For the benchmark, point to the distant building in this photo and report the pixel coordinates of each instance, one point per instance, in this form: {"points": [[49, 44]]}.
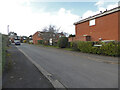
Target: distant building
{"points": [[30, 39], [103, 26], [36, 37], [47, 37], [12, 36]]}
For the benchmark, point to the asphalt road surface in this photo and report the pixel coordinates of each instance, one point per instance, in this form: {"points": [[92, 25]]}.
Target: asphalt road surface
{"points": [[74, 70], [19, 72]]}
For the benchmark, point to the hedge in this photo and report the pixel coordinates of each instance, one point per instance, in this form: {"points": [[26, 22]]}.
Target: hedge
{"points": [[110, 49], [62, 42], [40, 41]]}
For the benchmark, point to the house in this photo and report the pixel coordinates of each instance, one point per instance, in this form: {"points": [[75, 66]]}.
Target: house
{"points": [[36, 37], [12, 36], [30, 39], [47, 37], [103, 26]]}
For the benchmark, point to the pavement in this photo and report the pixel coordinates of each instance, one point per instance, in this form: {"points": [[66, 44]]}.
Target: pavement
{"points": [[21, 73], [73, 69]]}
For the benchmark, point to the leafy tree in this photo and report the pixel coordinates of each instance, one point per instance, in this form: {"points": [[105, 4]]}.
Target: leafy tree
{"points": [[63, 42]]}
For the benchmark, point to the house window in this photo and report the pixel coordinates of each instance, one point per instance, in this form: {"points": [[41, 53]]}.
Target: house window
{"points": [[92, 22]]}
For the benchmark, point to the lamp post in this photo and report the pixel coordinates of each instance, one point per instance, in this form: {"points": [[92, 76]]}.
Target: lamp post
{"points": [[8, 29]]}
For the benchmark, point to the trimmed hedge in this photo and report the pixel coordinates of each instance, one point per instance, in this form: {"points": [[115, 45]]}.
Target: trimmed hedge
{"points": [[63, 42], [110, 49]]}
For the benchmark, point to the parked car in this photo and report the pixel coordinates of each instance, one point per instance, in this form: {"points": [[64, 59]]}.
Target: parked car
{"points": [[17, 43]]}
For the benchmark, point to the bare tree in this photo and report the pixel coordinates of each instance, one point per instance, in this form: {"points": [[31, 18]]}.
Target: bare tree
{"points": [[50, 33], [64, 33], [45, 29]]}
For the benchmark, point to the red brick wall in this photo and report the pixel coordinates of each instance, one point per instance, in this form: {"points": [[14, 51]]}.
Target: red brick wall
{"points": [[106, 27], [36, 38], [70, 39]]}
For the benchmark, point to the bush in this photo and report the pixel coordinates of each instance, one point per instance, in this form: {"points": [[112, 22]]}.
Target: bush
{"points": [[63, 42], [30, 42], [54, 43], [74, 46], [24, 41], [40, 41], [110, 49], [68, 46], [85, 46]]}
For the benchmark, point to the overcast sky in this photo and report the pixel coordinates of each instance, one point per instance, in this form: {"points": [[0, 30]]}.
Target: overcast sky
{"points": [[25, 17]]}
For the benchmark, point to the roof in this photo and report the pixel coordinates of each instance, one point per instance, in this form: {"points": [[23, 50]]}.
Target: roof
{"points": [[99, 15], [46, 32]]}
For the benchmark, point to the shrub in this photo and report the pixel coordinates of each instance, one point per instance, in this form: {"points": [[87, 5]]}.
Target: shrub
{"points": [[85, 46], [40, 41], [74, 45], [30, 42], [63, 42], [94, 50], [24, 41], [54, 43], [111, 48]]}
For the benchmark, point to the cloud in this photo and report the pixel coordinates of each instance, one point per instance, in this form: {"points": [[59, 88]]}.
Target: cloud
{"points": [[112, 6], [99, 3], [22, 20], [101, 7]]}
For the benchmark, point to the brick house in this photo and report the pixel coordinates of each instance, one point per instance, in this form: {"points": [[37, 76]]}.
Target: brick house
{"points": [[46, 36], [103, 26], [36, 37]]}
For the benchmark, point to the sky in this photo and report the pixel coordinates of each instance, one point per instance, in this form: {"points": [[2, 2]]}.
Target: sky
{"points": [[25, 17]]}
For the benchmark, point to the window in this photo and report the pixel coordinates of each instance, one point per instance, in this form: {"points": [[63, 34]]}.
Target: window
{"points": [[92, 22]]}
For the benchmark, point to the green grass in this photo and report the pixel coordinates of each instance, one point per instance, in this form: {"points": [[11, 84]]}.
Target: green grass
{"points": [[68, 49], [47, 46]]}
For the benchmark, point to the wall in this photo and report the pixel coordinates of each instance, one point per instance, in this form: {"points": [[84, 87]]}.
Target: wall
{"points": [[106, 27]]}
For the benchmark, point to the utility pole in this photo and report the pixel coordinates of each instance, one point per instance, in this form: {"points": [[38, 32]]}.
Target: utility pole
{"points": [[8, 29]]}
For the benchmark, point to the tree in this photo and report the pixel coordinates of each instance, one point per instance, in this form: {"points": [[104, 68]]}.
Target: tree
{"points": [[63, 42], [51, 28], [71, 35], [49, 33], [64, 33]]}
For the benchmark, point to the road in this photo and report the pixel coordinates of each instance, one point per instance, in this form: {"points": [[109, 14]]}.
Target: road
{"points": [[73, 70], [19, 72]]}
